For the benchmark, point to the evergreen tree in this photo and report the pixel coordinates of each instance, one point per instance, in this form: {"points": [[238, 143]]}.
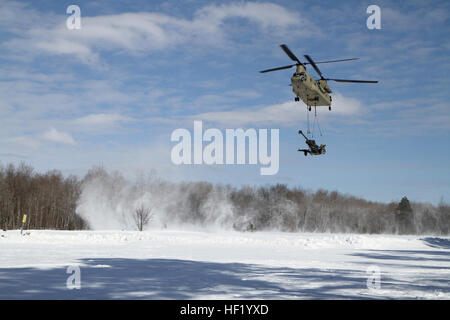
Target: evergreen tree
{"points": [[405, 217]]}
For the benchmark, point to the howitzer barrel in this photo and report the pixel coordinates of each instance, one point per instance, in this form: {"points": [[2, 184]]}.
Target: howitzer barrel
{"points": [[301, 132]]}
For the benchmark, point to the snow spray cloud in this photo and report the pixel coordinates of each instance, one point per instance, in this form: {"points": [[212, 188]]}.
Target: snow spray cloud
{"points": [[109, 201], [214, 152]]}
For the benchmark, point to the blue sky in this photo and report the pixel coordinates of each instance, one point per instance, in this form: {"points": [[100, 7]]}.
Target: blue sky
{"points": [[113, 92]]}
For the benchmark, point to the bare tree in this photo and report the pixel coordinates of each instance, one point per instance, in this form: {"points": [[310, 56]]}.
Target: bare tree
{"points": [[142, 217]]}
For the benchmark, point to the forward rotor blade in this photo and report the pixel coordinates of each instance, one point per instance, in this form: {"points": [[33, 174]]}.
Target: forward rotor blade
{"points": [[289, 53], [354, 81], [279, 68], [314, 65], [329, 61]]}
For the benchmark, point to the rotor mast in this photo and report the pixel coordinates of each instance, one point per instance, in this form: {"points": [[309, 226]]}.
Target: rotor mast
{"points": [[300, 68]]}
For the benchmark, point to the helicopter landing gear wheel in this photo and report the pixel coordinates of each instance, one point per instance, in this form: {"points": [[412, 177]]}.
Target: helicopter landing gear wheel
{"points": [[329, 108], [309, 108], [306, 153], [297, 99]]}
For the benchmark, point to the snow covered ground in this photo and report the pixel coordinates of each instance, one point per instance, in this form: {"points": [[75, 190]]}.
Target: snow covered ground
{"points": [[172, 264]]}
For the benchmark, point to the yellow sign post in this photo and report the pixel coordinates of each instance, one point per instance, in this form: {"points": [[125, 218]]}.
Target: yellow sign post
{"points": [[24, 220]]}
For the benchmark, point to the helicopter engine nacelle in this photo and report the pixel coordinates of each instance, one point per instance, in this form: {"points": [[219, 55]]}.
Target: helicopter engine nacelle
{"points": [[324, 85]]}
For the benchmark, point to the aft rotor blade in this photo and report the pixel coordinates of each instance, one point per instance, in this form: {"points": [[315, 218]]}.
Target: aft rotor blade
{"points": [[329, 61], [289, 53], [354, 81], [314, 65], [279, 68]]}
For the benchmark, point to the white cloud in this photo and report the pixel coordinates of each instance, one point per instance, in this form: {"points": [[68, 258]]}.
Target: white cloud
{"points": [[137, 33], [57, 136], [266, 15], [345, 105], [283, 114], [102, 119]]}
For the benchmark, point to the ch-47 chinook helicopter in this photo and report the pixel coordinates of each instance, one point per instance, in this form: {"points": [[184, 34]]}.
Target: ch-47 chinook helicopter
{"points": [[312, 92]]}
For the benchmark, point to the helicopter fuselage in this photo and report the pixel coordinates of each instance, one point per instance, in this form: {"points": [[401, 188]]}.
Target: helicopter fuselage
{"points": [[313, 93]]}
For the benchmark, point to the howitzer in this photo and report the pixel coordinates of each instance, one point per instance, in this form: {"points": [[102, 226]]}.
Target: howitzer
{"points": [[314, 149]]}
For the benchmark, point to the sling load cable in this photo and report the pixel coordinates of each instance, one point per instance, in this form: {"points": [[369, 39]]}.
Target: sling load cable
{"points": [[316, 121], [307, 120]]}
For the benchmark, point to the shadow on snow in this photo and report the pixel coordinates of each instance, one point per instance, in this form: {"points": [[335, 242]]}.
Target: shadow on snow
{"points": [[118, 278], [111, 278], [440, 243], [400, 263]]}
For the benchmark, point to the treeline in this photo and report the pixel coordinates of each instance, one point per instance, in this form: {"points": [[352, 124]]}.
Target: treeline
{"points": [[104, 200], [49, 200], [293, 210], [278, 207], [273, 207]]}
